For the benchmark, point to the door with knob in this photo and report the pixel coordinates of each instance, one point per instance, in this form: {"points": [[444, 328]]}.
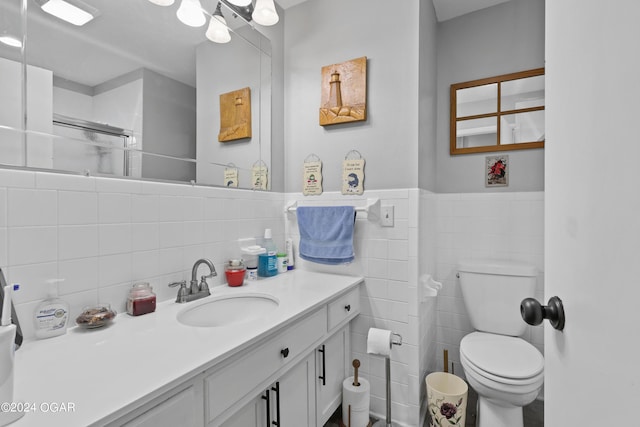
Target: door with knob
{"points": [[592, 204]]}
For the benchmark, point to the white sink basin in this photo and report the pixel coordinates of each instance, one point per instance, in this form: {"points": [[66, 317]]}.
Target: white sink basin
{"points": [[228, 310]]}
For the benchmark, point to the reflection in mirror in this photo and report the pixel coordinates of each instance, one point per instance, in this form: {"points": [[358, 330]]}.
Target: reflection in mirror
{"points": [[498, 113], [522, 127], [478, 100], [133, 92], [522, 93], [476, 132]]}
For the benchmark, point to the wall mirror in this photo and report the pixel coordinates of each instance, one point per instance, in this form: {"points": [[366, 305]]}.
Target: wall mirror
{"points": [[134, 92], [498, 113]]}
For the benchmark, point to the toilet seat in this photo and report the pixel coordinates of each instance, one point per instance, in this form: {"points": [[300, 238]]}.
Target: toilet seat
{"points": [[504, 359]]}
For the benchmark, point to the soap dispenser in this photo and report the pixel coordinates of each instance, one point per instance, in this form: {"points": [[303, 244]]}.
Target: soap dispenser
{"points": [[52, 314]]}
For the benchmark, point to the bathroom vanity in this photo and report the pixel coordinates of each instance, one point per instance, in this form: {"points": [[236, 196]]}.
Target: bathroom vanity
{"points": [[285, 366]]}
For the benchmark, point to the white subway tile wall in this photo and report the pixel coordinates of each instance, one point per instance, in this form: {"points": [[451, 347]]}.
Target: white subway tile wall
{"points": [[100, 235]]}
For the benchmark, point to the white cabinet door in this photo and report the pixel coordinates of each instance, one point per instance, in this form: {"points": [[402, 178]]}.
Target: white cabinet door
{"points": [[181, 408], [332, 367], [290, 401], [251, 415], [296, 392]]}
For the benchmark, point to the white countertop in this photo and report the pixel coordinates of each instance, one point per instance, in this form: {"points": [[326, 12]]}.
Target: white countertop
{"points": [[116, 368]]}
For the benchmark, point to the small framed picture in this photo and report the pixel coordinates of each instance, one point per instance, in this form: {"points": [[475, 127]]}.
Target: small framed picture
{"points": [[497, 171]]}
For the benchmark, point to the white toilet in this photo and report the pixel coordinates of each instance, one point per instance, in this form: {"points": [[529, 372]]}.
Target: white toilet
{"points": [[506, 371]]}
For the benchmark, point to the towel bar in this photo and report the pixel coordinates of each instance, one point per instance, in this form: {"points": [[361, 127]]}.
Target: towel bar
{"points": [[372, 209]]}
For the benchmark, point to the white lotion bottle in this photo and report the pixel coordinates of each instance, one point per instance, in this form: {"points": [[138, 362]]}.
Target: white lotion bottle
{"points": [[289, 250], [52, 314]]}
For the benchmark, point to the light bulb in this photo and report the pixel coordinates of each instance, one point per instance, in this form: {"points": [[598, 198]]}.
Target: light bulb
{"points": [[162, 2], [265, 13], [217, 30], [240, 2], [190, 13]]}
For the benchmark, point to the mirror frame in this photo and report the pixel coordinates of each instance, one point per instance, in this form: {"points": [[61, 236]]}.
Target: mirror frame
{"points": [[454, 119]]}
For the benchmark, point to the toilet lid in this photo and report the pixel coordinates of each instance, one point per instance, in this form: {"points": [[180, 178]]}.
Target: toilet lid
{"points": [[503, 356]]}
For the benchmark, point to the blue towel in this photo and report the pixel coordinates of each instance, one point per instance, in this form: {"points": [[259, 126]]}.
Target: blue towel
{"points": [[326, 233]]}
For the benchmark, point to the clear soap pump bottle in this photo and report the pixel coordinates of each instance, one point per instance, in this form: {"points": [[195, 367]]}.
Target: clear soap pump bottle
{"points": [[52, 314]]}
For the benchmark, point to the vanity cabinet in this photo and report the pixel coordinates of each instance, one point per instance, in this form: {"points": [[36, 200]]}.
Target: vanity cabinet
{"points": [[205, 376], [290, 378]]}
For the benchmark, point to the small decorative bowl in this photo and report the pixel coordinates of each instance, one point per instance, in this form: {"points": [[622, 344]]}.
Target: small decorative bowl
{"points": [[96, 316]]}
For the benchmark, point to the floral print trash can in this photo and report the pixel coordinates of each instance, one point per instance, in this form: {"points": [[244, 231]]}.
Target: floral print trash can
{"points": [[447, 397]]}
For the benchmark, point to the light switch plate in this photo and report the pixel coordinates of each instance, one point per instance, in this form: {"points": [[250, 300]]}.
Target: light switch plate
{"points": [[386, 216]]}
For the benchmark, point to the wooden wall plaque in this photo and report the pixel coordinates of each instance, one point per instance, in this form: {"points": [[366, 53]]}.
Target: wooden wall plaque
{"points": [[344, 92], [235, 115]]}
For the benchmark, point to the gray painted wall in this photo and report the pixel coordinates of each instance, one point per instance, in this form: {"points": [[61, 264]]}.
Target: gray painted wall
{"points": [[169, 123], [501, 39], [428, 92], [324, 32]]}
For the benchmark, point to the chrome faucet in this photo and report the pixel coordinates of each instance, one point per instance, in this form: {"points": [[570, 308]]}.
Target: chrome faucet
{"points": [[195, 290]]}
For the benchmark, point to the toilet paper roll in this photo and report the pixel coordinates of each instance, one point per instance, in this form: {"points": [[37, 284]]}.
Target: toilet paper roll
{"points": [[358, 399], [379, 342]]}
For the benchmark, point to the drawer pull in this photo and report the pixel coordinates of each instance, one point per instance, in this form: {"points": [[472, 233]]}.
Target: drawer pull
{"points": [[323, 377], [277, 390], [347, 307], [268, 403], [285, 352]]}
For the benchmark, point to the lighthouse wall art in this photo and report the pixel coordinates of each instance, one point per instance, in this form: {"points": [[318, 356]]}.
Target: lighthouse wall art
{"points": [[344, 92]]}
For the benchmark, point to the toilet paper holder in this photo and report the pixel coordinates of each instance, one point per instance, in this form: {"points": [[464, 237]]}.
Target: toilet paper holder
{"points": [[396, 339]]}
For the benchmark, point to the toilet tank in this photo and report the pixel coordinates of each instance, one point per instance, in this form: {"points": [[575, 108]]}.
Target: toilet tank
{"points": [[492, 292]]}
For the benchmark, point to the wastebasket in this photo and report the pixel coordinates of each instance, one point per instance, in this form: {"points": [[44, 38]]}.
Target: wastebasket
{"points": [[447, 397]]}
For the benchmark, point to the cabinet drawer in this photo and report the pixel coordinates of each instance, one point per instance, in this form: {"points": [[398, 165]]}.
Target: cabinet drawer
{"points": [[343, 307], [228, 385]]}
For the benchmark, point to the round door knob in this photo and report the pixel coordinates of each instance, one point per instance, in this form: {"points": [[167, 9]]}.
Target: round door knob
{"points": [[285, 352], [534, 313], [347, 307]]}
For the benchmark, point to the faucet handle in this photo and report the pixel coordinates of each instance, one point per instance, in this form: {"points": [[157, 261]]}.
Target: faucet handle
{"points": [[182, 292], [180, 283], [204, 286]]}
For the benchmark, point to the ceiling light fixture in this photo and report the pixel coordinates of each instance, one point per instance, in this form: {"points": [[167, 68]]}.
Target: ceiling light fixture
{"points": [[217, 30], [190, 13], [75, 12], [265, 13], [10, 40]]}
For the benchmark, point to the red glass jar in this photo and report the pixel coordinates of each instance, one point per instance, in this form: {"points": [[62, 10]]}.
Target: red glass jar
{"points": [[141, 299], [234, 270]]}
